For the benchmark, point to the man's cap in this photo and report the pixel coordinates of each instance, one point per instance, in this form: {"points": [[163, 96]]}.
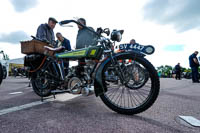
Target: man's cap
{"points": [[53, 19]]}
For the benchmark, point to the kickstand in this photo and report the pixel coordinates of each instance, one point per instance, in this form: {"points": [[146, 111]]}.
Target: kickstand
{"points": [[54, 95], [42, 99], [29, 84]]}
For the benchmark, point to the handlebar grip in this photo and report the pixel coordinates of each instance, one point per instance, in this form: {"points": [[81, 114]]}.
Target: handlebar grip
{"points": [[65, 22], [69, 21], [99, 30]]}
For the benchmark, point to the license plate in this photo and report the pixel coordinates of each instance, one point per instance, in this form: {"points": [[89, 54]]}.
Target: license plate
{"points": [[131, 47], [148, 49]]}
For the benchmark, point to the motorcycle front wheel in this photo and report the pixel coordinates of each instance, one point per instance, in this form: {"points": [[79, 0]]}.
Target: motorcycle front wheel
{"points": [[122, 96]]}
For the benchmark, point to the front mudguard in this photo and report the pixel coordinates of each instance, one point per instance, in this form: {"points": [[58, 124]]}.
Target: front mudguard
{"points": [[99, 87]]}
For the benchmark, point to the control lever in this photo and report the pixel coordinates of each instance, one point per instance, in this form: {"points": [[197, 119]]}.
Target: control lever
{"points": [[107, 31]]}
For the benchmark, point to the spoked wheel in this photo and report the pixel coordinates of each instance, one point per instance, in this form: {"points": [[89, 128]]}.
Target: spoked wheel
{"points": [[139, 76], [41, 84], [137, 91]]}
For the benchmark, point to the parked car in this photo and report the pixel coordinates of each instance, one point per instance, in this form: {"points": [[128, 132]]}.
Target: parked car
{"points": [[1, 73], [188, 75], [4, 63], [4, 72]]}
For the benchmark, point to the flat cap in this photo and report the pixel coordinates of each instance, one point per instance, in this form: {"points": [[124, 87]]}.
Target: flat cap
{"points": [[53, 19]]}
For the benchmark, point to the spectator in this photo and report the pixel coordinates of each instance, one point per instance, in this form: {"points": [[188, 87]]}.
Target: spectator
{"points": [[178, 71], [132, 41], [62, 42], [194, 64]]}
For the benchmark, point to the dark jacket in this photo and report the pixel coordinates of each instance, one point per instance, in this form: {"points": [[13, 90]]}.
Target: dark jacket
{"points": [[178, 68], [86, 38], [45, 33], [66, 44], [191, 61]]}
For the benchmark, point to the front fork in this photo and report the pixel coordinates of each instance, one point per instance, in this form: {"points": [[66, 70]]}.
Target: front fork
{"points": [[118, 69]]}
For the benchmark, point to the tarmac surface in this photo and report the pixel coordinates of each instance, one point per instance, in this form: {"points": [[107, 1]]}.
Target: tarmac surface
{"points": [[21, 111]]}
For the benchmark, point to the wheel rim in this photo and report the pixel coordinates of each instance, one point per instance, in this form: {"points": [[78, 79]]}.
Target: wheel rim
{"points": [[124, 96], [41, 83]]}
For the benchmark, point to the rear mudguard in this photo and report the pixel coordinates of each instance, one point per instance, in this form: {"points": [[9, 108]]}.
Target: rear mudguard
{"points": [[99, 87], [32, 61]]}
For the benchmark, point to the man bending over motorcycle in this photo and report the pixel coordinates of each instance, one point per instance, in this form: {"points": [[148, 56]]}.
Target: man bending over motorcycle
{"points": [[85, 38]]}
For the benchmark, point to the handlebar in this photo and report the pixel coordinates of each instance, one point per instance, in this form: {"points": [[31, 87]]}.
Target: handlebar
{"points": [[73, 21], [103, 41], [106, 31]]}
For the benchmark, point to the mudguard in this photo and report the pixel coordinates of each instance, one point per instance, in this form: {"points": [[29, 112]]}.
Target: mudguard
{"points": [[99, 87]]}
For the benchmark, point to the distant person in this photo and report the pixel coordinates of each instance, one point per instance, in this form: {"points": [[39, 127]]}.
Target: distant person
{"points": [[45, 31], [132, 41], [194, 64], [178, 71], [63, 43], [15, 71]]}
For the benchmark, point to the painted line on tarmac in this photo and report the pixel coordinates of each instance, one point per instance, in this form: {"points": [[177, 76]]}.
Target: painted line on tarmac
{"points": [[65, 97], [60, 97], [14, 93], [17, 108], [190, 120]]}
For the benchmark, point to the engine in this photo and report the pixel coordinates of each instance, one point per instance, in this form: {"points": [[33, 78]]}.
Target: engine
{"points": [[79, 79]]}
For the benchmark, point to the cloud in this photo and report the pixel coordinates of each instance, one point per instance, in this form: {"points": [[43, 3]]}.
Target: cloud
{"points": [[174, 48], [14, 37], [23, 5], [182, 14]]}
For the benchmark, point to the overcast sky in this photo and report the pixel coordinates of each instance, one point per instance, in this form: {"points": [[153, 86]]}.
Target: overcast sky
{"points": [[171, 26]]}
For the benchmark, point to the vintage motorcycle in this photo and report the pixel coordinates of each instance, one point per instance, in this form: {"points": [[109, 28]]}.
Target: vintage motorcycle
{"points": [[127, 87]]}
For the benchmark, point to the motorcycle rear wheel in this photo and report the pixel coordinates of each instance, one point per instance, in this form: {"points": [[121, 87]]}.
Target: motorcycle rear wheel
{"points": [[41, 83], [126, 100]]}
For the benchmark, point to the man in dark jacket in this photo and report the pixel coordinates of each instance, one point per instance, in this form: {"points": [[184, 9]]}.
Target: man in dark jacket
{"points": [[178, 71], [85, 38], [63, 42], [45, 31], [194, 64]]}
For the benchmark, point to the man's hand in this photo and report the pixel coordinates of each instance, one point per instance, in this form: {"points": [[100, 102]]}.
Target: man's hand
{"points": [[196, 61], [54, 49]]}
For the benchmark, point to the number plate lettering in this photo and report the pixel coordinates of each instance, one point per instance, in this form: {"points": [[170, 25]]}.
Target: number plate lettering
{"points": [[131, 47]]}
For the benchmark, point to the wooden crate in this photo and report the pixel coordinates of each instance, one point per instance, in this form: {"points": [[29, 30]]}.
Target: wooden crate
{"points": [[35, 46]]}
